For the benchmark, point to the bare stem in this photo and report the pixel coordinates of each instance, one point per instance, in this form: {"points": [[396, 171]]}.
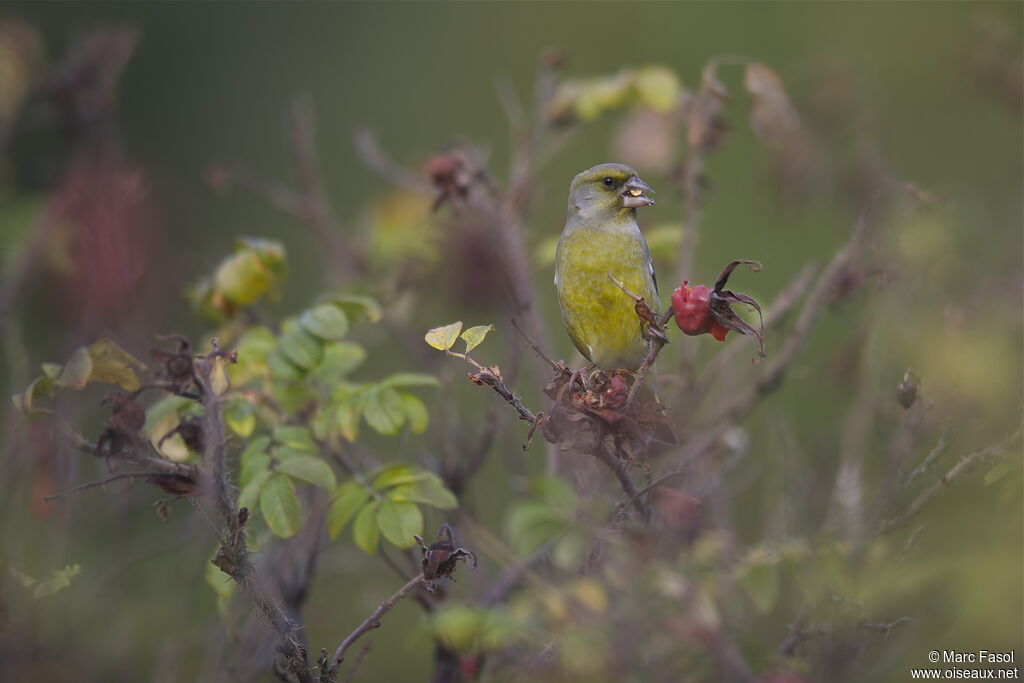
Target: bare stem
{"points": [[109, 480], [776, 369], [965, 464], [371, 622]]}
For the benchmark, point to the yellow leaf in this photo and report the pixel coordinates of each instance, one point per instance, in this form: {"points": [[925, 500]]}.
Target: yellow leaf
{"points": [[442, 338], [219, 376], [474, 336]]}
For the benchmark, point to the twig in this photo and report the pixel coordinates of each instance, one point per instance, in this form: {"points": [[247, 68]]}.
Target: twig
{"points": [[487, 376], [962, 467], [375, 159], [317, 209], [885, 628], [657, 344], [555, 365], [774, 314], [656, 333], [356, 663], [618, 466], [512, 575], [939, 449], [94, 484], [370, 623], [772, 376]]}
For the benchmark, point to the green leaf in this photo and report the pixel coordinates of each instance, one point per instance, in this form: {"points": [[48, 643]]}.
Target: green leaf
{"points": [[326, 321], [442, 338], [254, 447], [761, 583], [474, 336], [253, 347], [301, 348], [310, 469], [240, 417], [555, 491], [458, 627], [365, 531], [295, 436], [999, 471], [256, 267], [349, 498], [415, 412], [399, 522], [531, 524], [51, 370], [384, 410], [570, 550], [257, 479], [55, 581], [428, 490], [282, 368], [280, 506], [392, 475], [282, 453], [405, 380], [348, 417], [356, 306], [340, 359], [164, 407], [293, 397], [253, 460], [41, 387]]}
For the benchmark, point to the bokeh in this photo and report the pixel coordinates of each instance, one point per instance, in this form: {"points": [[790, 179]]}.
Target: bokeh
{"points": [[123, 186]]}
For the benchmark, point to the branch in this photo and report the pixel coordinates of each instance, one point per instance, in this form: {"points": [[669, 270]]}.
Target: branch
{"points": [[370, 623], [772, 376], [376, 160], [774, 314], [656, 333], [317, 209], [492, 378], [618, 466], [109, 480], [555, 365], [939, 449], [233, 556], [964, 466]]}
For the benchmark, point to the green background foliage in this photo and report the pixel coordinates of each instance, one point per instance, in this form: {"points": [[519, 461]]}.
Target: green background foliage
{"points": [[903, 84]]}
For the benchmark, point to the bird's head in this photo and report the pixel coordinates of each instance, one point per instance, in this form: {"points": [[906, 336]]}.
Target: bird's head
{"points": [[608, 191]]}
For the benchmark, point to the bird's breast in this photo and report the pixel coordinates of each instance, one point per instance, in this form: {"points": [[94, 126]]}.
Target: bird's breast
{"points": [[599, 317]]}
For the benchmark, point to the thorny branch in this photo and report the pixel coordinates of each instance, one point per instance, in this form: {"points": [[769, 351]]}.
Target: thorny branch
{"points": [[233, 556], [962, 467]]}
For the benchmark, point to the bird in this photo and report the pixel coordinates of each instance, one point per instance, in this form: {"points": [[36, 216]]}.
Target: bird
{"points": [[600, 239]]}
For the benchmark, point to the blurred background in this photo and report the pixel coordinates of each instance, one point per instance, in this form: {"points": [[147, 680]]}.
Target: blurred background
{"points": [[116, 197]]}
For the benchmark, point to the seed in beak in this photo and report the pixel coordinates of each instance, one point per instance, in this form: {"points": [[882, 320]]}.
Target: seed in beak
{"points": [[636, 192]]}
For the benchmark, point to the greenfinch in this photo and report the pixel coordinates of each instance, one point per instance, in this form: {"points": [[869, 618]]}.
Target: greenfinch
{"points": [[601, 238]]}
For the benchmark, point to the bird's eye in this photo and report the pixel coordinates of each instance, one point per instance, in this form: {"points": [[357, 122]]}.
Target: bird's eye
{"points": [[608, 181]]}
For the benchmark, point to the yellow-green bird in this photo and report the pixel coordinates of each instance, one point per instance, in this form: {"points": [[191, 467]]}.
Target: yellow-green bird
{"points": [[601, 238]]}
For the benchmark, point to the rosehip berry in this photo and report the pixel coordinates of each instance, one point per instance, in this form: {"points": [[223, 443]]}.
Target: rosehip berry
{"points": [[692, 309]]}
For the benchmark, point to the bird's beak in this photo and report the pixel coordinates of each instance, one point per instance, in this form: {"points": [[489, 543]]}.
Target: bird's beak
{"points": [[633, 193]]}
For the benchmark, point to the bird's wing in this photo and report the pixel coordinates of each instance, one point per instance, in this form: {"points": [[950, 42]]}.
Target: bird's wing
{"points": [[650, 269]]}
